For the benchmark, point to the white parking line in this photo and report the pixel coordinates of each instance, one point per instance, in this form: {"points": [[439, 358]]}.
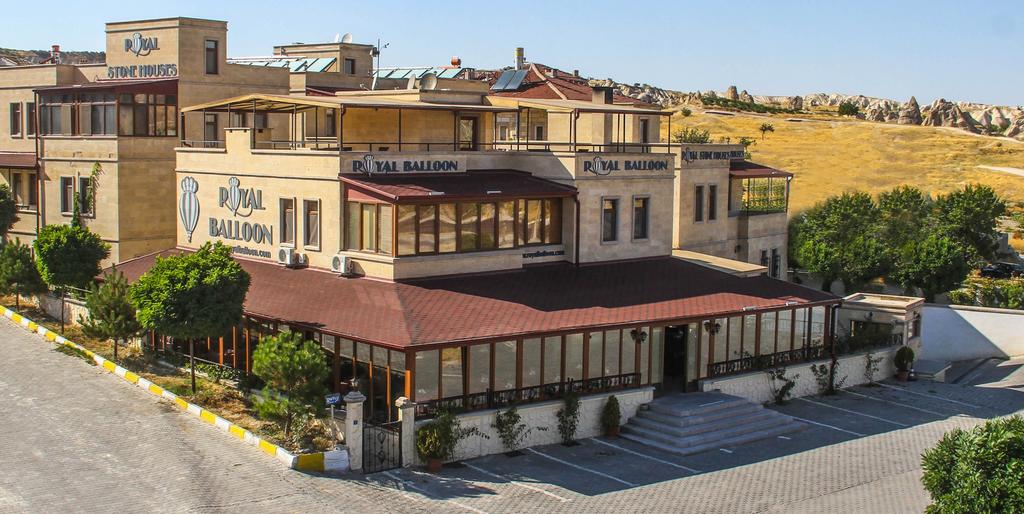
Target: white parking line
{"points": [[516, 482], [899, 404], [724, 450], [897, 423], [858, 434], [644, 455], [935, 396], [581, 468], [429, 494]]}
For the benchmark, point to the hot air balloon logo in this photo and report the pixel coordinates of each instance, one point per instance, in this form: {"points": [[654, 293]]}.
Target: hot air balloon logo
{"points": [[188, 206], [234, 195], [368, 164], [599, 167]]}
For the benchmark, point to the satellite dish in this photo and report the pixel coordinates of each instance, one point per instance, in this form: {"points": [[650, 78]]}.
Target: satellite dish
{"points": [[428, 82], [337, 37], [347, 38]]}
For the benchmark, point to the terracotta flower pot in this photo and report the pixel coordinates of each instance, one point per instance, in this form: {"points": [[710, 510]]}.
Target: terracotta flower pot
{"points": [[434, 465], [902, 375], [612, 431]]}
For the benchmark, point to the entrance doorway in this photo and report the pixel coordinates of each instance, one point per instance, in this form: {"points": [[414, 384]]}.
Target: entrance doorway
{"points": [[676, 379]]}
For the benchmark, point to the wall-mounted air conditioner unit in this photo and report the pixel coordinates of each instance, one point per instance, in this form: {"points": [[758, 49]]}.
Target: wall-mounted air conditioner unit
{"points": [[289, 257]]}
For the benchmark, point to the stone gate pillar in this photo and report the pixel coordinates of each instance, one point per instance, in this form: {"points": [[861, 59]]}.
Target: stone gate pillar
{"points": [[354, 428], [407, 418]]}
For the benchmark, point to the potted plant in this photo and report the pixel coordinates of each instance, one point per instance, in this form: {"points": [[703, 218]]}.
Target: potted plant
{"points": [[436, 441], [610, 417], [904, 360]]}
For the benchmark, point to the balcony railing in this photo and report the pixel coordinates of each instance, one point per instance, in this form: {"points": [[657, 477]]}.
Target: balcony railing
{"points": [[508, 397], [806, 354], [330, 144]]}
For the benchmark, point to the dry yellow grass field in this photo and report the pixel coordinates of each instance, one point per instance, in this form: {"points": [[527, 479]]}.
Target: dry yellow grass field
{"points": [[830, 156]]}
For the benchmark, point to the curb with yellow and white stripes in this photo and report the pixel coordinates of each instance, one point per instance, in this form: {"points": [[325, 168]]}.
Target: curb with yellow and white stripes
{"points": [[336, 460]]}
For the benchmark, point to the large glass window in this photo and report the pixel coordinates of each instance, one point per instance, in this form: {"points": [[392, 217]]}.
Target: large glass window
{"points": [[533, 222], [735, 343], [446, 231], [641, 217], [469, 217], [24, 186], [30, 118], [595, 355], [288, 221], [386, 234], [427, 216], [426, 375], [611, 352], [553, 221], [764, 195], [406, 230], [15, 124], [67, 194], [552, 360], [479, 368], [368, 224], [628, 352], [768, 333], [749, 336], [504, 365], [574, 357], [800, 328], [609, 220], [451, 372], [311, 222], [487, 227], [531, 362], [817, 326], [155, 115], [368, 227], [785, 327], [506, 224]]}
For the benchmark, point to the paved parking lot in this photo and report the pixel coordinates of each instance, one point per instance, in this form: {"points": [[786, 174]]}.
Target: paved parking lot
{"points": [[77, 439]]}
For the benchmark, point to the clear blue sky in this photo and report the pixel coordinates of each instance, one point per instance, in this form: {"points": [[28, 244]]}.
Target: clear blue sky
{"points": [[953, 49]]}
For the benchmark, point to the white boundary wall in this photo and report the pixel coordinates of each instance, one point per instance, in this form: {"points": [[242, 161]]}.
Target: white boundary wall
{"points": [[544, 414], [958, 332], [755, 386]]}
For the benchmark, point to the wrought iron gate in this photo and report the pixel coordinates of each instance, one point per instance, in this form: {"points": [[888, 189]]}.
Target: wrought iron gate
{"points": [[382, 446]]}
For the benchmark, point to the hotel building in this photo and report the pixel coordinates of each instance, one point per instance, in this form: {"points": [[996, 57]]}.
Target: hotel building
{"points": [[463, 243]]}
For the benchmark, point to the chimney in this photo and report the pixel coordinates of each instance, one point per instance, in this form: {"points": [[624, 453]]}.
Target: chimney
{"points": [[55, 54], [520, 58], [575, 73], [602, 95]]}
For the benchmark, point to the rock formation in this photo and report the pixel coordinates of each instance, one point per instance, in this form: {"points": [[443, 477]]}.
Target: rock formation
{"points": [[943, 113], [910, 113], [745, 97], [730, 94]]}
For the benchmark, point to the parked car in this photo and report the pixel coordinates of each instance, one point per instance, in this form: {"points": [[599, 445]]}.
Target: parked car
{"points": [[1002, 270]]}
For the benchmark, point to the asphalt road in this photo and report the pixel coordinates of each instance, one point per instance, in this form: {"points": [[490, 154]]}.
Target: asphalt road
{"points": [[76, 439]]}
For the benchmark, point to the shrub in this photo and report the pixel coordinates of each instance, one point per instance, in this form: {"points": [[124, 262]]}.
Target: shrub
{"points": [[18, 273], [511, 430], [904, 358], [825, 376], [781, 393], [848, 109], [692, 135], [437, 439], [569, 418], [978, 470], [610, 414], [871, 367]]}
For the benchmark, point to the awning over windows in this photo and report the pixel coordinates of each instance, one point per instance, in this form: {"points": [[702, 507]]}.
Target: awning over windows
{"points": [[17, 160], [747, 169], [496, 184]]}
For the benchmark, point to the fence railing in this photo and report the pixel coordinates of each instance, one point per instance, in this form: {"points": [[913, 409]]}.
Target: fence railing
{"points": [[508, 397], [331, 145], [767, 361]]}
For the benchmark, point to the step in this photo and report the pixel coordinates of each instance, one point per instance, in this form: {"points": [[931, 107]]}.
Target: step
{"points": [[787, 428], [700, 418], [699, 428], [708, 437], [680, 409]]}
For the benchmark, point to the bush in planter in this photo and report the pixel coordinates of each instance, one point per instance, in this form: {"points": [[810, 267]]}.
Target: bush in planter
{"points": [[610, 416], [904, 358], [977, 470], [569, 418], [437, 439]]}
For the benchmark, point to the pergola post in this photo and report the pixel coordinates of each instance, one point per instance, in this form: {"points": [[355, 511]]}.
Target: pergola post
{"points": [[400, 131]]}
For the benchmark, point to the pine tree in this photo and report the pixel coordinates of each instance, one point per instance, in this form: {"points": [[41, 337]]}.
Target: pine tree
{"points": [[111, 315], [18, 273]]}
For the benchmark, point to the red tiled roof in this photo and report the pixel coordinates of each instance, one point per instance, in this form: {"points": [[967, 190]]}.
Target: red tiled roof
{"points": [[472, 184], [747, 169], [17, 160], [534, 300]]}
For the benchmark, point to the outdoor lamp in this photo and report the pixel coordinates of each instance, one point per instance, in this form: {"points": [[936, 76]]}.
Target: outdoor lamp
{"points": [[639, 336], [712, 327]]}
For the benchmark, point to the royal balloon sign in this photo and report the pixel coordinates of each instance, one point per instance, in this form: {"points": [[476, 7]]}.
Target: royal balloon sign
{"points": [[239, 203]]}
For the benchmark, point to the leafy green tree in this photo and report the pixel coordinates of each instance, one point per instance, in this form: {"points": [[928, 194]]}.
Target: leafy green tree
{"points": [[18, 274], [977, 470], [935, 264], [848, 109], [69, 256], [8, 210], [192, 295], [111, 315], [989, 292], [765, 128], [969, 217], [837, 239], [691, 135], [295, 368], [904, 213]]}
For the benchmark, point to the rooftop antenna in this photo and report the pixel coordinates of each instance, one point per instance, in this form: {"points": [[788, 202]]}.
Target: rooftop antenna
{"points": [[376, 53]]}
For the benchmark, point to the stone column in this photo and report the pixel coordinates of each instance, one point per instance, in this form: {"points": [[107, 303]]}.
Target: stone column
{"points": [[354, 428], [407, 417]]}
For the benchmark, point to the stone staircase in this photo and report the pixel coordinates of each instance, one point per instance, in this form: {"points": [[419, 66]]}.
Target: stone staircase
{"points": [[691, 423]]}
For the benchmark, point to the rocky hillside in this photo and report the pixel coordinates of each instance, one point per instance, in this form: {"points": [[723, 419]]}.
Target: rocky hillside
{"points": [[994, 120], [20, 57]]}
